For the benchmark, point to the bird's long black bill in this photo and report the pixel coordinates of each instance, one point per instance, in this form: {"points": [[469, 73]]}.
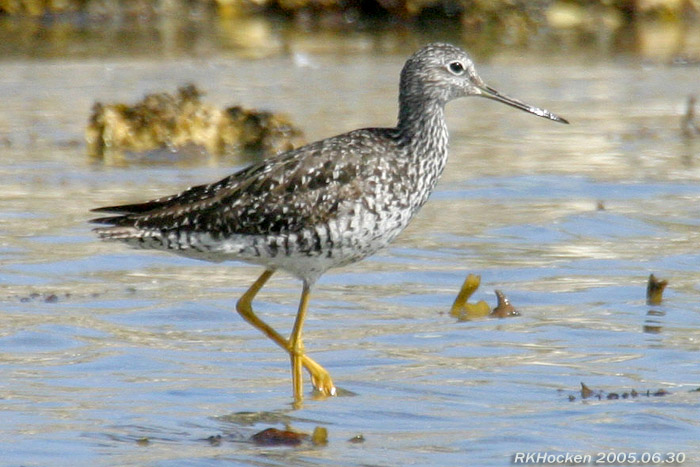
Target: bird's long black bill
{"points": [[490, 93]]}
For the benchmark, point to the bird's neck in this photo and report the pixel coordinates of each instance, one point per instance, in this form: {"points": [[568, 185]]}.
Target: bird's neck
{"points": [[423, 134], [422, 127]]}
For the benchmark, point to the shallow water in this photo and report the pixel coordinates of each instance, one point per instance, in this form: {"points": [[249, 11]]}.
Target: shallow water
{"points": [[102, 346]]}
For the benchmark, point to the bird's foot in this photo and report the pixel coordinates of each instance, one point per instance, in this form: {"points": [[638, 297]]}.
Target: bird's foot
{"points": [[323, 383], [320, 378]]}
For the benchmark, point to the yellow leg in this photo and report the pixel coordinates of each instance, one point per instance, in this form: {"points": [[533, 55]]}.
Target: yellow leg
{"points": [[296, 344], [320, 378]]}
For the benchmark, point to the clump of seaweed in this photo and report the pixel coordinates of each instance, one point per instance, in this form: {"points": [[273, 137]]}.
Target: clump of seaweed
{"points": [[655, 290], [465, 311]]}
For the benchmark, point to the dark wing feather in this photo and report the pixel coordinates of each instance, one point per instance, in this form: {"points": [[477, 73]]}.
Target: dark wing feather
{"points": [[140, 208], [298, 189], [189, 195]]}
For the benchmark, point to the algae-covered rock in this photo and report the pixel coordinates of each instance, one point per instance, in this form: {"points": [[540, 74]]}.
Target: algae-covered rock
{"points": [[162, 120]]}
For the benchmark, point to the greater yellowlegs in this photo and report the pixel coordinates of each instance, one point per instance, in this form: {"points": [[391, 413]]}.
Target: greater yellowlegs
{"points": [[324, 205]]}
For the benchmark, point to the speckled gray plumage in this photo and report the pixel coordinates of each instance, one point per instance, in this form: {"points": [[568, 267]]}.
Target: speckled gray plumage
{"points": [[323, 205]]}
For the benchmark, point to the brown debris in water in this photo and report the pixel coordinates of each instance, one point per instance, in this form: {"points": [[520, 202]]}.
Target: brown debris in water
{"points": [[587, 393], [655, 290], [357, 439], [503, 309], [689, 126], [276, 437], [143, 441], [162, 120], [465, 311], [46, 297]]}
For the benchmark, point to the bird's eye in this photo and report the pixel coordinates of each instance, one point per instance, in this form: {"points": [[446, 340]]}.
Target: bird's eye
{"points": [[456, 68]]}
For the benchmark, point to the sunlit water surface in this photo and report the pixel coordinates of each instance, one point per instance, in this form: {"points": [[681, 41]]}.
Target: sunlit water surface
{"points": [[102, 346]]}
